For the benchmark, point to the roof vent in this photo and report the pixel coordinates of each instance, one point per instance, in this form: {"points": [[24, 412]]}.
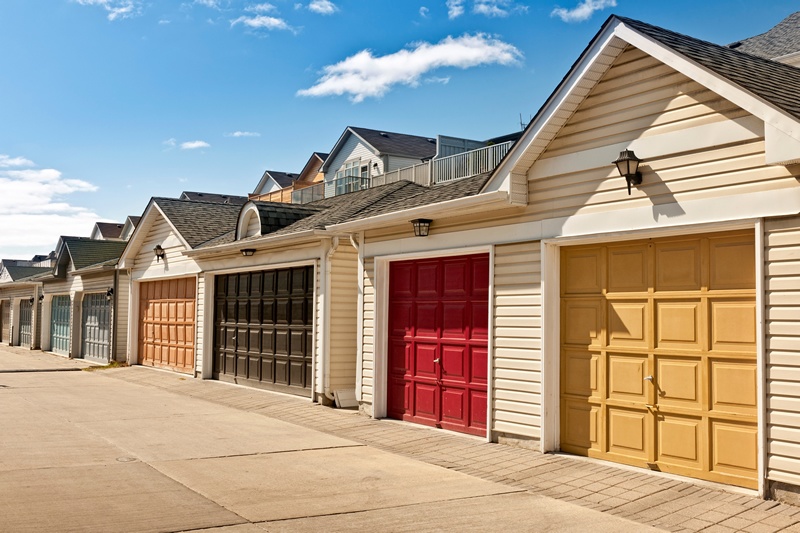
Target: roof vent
{"points": [[735, 45], [384, 134], [432, 141]]}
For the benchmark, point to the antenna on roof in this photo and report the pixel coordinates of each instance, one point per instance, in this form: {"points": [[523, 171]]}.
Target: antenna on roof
{"points": [[522, 123]]}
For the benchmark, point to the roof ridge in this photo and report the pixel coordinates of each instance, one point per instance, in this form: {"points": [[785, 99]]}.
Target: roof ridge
{"points": [[183, 201]]}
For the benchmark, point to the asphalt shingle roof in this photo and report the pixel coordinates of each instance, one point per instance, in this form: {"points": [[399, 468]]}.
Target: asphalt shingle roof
{"points": [[110, 230], [87, 252], [284, 179], [275, 216], [781, 40], [775, 82], [135, 220], [213, 198], [398, 143], [19, 273], [199, 222]]}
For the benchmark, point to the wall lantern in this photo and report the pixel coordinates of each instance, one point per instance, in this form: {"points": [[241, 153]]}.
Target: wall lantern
{"points": [[32, 300], [159, 251], [247, 252], [628, 166], [41, 297], [109, 293], [422, 226]]}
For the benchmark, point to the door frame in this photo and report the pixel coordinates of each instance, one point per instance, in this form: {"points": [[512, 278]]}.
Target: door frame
{"points": [[381, 337], [551, 323], [209, 280]]}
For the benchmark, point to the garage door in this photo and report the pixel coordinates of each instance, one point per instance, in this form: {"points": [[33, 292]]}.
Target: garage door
{"points": [[658, 355], [263, 327], [59, 325], [96, 327], [25, 323], [166, 324], [5, 318], [438, 334]]}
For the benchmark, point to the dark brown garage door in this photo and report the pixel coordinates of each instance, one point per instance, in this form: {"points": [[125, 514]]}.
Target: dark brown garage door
{"points": [[263, 324]]}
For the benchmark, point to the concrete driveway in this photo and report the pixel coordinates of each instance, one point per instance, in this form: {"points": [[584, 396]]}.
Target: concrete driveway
{"points": [[81, 451]]}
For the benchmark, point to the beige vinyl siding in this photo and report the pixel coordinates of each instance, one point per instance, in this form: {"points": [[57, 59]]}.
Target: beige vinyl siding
{"points": [[37, 336], [319, 332], [368, 336], [782, 327], [640, 97], [342, 322], [121, 317], [253, 225], [174, 264], [517, 355], [353, 148]]}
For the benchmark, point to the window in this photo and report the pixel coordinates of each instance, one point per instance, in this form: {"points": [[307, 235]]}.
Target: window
{"points": [[353, 169]]}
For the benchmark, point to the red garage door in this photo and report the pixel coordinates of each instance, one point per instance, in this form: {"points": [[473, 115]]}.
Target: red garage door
{"points": [[438, 333]]}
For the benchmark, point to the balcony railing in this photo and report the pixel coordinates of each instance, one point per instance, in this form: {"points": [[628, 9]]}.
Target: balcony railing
{"points": [[467, 164], [444, 170], [330, 189]]}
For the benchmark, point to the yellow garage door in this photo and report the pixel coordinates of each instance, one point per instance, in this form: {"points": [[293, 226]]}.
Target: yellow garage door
{"points": [[658, 355]]}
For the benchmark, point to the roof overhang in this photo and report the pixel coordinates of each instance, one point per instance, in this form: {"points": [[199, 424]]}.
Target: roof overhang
{"points": [[782, 130]]}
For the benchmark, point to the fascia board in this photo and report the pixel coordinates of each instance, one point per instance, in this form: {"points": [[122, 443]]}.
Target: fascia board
{"points": [[258, 244], [551, 108], [262, 181], [139, 234], [740, 96], [447, 207], [171, 225], [336, 148]]}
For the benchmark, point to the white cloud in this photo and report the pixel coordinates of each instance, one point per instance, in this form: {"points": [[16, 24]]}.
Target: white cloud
{"points": [[213, 4], [435, 79], [117, 9], [455, 8], [298, 6], [324, 7], [497, 8], [582, 11], [261, 21], [33, 212], [8, 161], [163, 22], [423, 11], [191, 145], [170, 143], [364, 75], [242, 134], [261, 8]]}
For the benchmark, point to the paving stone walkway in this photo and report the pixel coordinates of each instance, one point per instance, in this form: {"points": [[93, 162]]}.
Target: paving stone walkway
{"points": [[646, 498]]}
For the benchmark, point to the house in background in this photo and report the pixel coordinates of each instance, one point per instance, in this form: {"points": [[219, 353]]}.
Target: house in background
{"points": [[308, 176], [107, 231], [19, 312], [127, 229], [274, 181], [781, 43]]}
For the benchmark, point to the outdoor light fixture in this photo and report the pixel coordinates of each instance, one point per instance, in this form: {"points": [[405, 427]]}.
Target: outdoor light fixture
{"points": [[159, 251], [422, 226], [109, 293], [247, 252], [32, 300], [41, 297], [628, 166]]}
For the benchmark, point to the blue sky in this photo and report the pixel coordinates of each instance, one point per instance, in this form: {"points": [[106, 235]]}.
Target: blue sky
{"points": [[105, 103]]}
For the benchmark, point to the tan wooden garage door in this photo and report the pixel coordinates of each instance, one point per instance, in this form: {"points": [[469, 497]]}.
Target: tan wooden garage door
{"points": [[166, 324], [658, 355]]}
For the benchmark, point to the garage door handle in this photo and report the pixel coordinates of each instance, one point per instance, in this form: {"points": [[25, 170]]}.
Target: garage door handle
{"points": [[649, 378], [436, 360]]}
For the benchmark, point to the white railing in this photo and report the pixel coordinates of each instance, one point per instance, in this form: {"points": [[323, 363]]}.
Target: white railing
{"points": [[419, 174], [467, 164], [329, 189]]}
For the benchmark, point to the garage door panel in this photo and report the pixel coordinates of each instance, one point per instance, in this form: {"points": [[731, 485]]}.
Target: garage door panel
{"points": [[274, 327], [95, 327], [166, 329], [437, 342], [668, 378], [59, 324]]}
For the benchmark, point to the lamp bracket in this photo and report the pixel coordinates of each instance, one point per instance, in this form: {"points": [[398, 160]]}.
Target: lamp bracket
{"points": [[633, 179]]}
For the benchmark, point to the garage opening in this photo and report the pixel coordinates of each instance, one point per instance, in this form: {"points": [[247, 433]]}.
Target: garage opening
{"points": [[25, 323], [658, 355], [5, 321], [438, 342], [166, 324], [59, 324], [96, 327], [263, 329]]}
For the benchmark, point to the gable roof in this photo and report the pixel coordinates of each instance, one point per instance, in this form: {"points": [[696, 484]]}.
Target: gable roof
{"points": [[283, 179], [390, 143], [109, 230], [774, 82], [214, 198], [17, 273], [314, 164], [86, 252], [781, 40], [134, 220], [199, 222]]}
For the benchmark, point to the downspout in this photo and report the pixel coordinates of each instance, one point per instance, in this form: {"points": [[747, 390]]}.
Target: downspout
{"points": [[326, 389], [359, 316]]}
